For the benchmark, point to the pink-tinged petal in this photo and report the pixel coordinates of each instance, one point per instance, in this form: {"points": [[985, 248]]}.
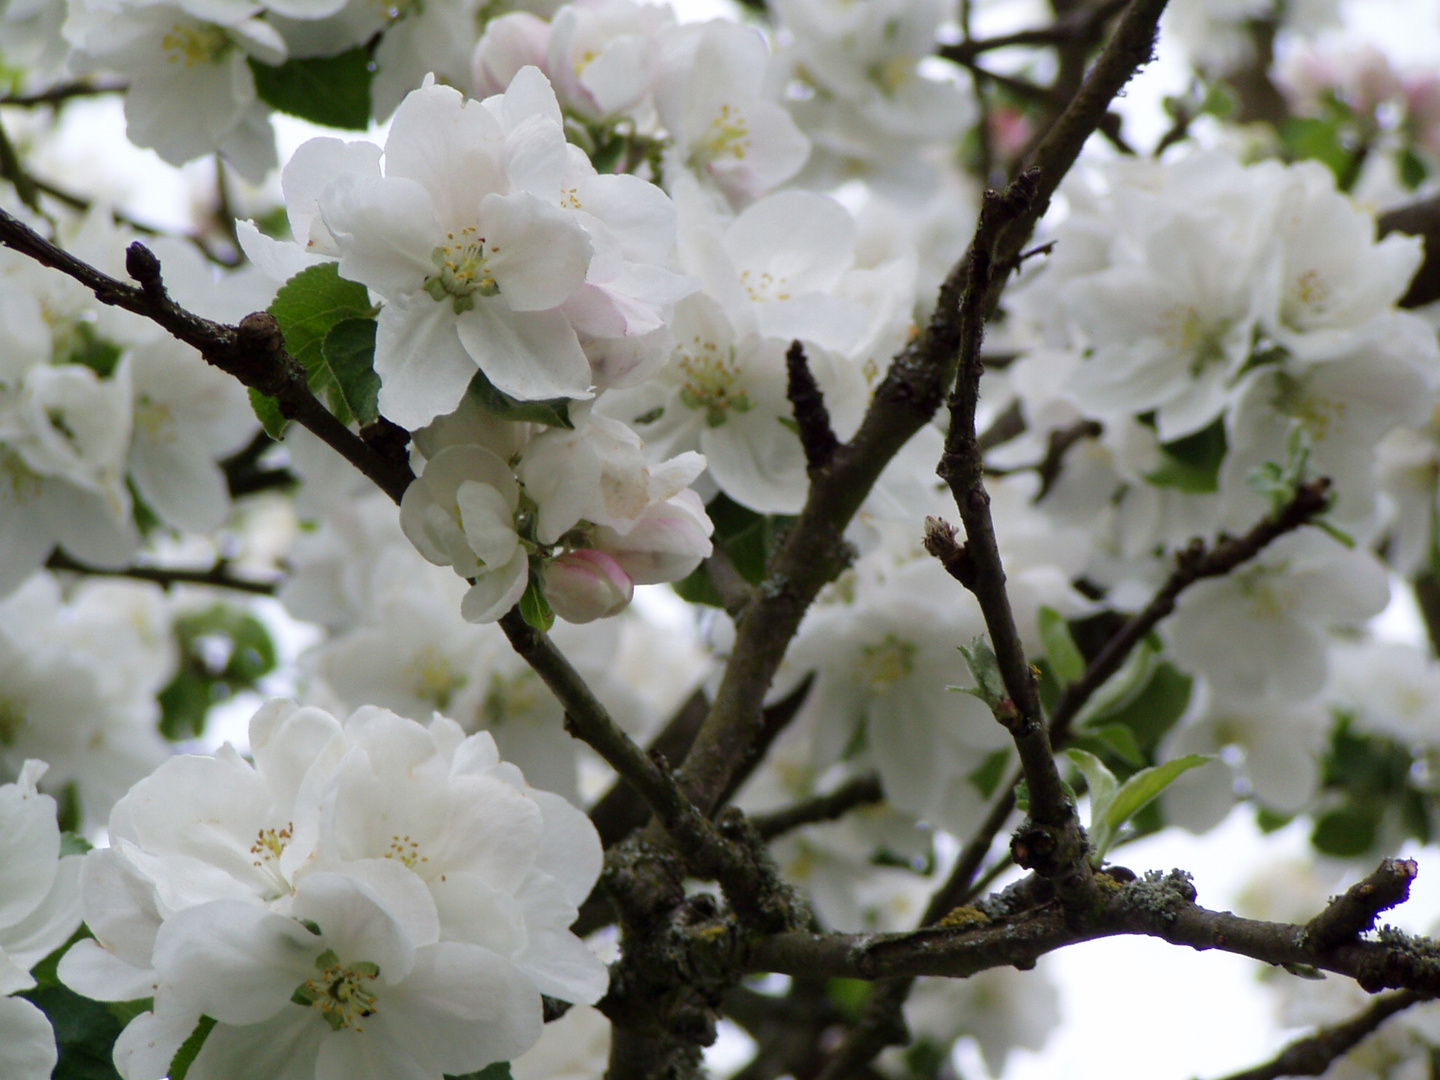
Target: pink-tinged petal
{"points": [[423, 366], [537, 252], [510, 43], [528, 355], [450, 145]]}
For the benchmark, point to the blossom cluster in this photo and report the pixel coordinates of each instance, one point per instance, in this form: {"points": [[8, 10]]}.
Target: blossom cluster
{"points": [[373, 894]]}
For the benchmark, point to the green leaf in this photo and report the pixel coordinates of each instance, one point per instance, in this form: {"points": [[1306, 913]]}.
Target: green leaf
{"points": [[1410, 167], [1116, 739], [222, 649], [1313, 139], [985, 669], [185, 1056], [1060, 647], [1146, 784], [554, 412], [349, 352], [500, 1070], [1103, 786], [329, 90], [1192, 464], [306, 308], [534, 608], [85, 1032], [991, 771], [698, 589], [267, 411], [1121, 688], [1156, 709], [850, 996], [1347, 831]]}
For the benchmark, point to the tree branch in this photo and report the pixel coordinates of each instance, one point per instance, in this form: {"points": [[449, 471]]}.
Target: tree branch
{"points": [[61, 93], [218, 576], [1354, 913], [815, 551], [817, 437], [253, 352], [861, 791], [1156, 905], [1314, 1054]]}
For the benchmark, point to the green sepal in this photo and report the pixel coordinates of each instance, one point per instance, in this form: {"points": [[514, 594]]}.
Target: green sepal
{"points": [[534, 608], [327, 959], [499, 1070]]}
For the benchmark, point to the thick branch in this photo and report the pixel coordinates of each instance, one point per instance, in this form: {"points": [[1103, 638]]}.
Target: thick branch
{"points": [[1154, 906], [814, 552], [811, 417], [253, 352], [1314, 1054]]}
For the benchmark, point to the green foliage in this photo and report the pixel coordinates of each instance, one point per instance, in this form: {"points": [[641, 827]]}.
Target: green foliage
{"points": [[222, 650], [87, 348], [534, 608], [330, 90], [1060, 649], [307, 308], [1308, 138], [991, 771], [850, 996], [985, 669], [349, 352], [1369, 780], [500, 1070], [85, 1030], [267, 411], [190, 1048], [554, 412], [746, 537], [1113, 803], [1192, 464]]}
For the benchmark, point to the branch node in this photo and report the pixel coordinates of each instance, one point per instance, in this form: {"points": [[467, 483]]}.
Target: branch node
{"points": [[940, 541], [1354, 913], [142, 265]]}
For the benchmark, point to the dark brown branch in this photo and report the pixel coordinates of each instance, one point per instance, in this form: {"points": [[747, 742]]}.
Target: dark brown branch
{"points": [[1314, 1054], [1060, 441], [1427, 599], [861, 791], [1420, 219], [253, 351], [811, 417], [61, 93], [713, 851], [218, 575], [1082, 24], [1161, 906], [1354, 913]]}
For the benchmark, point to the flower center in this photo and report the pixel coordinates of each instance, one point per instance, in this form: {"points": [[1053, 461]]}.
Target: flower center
{"points": [[885, 663], [339, 991], [460, 270], [1311, 290], [710, 383], [511, 697], [195, 44], [728, 137], [763, 286], [269, 845], [1186, 332], [432, 677], [154, 421], [20, 482], [407, 851], [1271, 595]]}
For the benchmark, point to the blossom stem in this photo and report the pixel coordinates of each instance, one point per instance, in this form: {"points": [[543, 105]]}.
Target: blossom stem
{"points": [[218, 575]]}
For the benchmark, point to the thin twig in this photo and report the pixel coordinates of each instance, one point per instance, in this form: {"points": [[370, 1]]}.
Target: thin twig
{"points": [[217, 576], [1314, 1054], [61, 93], [861, 791], [253, 352]]}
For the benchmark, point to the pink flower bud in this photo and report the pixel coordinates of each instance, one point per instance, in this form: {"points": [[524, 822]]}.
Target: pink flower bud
{"points": [[585, 585], [510, 43], [666, 543]]}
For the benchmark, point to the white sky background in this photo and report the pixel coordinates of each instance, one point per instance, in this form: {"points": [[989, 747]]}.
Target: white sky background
{"points": [[1133, 1008]]}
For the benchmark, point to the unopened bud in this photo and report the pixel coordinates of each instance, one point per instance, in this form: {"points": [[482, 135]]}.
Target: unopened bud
{"points": [[585, 585]]}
